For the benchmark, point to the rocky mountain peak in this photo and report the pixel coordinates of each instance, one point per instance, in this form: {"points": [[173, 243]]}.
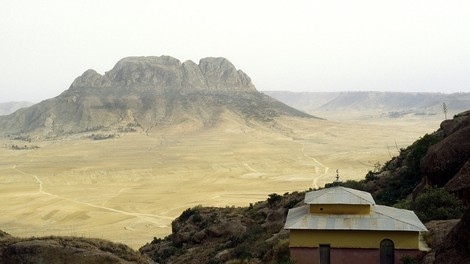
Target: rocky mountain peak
{"points": [[217, 69], [166, 73], [149, 92], [89, 78]]}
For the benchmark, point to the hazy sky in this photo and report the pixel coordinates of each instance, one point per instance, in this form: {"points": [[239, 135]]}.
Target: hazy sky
{"points": [[327, 45]]}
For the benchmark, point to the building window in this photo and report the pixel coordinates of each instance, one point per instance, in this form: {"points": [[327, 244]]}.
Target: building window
{"points": [[387, 252], [324, 254]]}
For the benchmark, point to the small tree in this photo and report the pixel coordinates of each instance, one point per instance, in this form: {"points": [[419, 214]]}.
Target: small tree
{"points": [[437, 204], [273, 199]]}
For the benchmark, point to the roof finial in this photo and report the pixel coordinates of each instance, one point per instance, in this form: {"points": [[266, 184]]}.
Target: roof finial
{"points": [[337, 177]]}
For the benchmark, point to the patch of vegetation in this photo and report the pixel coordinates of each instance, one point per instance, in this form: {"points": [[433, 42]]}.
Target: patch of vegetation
{"points": [[21, 138], [434, 204], [403, 173], [282, 253], [94, 128], [409, 260], [102, 136], [25, 147], [3, 234], [127, 129], [186, 214], [274, 199], [400, 186]]}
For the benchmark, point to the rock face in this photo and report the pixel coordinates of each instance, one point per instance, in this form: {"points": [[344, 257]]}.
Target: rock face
{"points": [[437, 232], [148, 92], [456, 245], [165, 74], [448, 164], [445, 159]]}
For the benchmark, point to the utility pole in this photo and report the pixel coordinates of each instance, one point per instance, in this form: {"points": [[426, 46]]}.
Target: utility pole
{"points": [[444, 109]]}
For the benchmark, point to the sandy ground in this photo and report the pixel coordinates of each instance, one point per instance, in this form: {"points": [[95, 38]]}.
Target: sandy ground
{"points": [[128, 189]]}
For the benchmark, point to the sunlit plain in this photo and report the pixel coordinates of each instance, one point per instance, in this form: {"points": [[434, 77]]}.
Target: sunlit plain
{"points": [[129, 188]]}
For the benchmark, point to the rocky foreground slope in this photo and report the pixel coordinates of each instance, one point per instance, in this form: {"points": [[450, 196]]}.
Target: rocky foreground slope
{"points": [[253, 234], [148, 92], [71, 250]]}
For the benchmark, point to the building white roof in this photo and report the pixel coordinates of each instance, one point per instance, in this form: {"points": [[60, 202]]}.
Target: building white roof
{"points": [[381, 217], [338, 195]]}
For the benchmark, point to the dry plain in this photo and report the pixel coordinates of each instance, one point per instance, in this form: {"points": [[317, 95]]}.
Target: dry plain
{"points": [[129, 188]]}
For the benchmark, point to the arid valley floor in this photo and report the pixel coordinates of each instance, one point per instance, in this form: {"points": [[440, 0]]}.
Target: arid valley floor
{"points": [[129, 188]]}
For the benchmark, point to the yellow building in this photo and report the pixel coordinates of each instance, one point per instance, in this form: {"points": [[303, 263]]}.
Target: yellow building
{"points": [[343, 225]]}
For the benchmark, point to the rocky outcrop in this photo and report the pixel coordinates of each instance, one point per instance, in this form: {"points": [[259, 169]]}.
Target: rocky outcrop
{"points": [[148, 92], [456, 246], [458, 122], [450, 160], [445, 159], [164, 73], [219, 235], [460, 184], [435, 237], [54, 250]]}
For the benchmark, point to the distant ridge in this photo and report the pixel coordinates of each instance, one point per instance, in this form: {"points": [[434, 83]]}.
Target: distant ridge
{"points": [[10, 107], [385, 104], [150, 92]]}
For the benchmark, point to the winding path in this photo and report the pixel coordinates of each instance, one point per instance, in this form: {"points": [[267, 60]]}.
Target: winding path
{"points": [[318, 165], [139, 215]]}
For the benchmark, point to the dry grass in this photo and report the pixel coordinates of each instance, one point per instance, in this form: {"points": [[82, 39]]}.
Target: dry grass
{"points": [[129, 188]]}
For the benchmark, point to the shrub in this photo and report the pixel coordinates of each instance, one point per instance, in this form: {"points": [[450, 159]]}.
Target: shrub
{"points": [[101, 136], [273, 199], [282, 252], [434, 204], [437, 204], [186, 214], [409, 260]]}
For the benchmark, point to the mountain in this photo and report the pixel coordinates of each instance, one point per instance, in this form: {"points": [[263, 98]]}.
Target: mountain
{"points": [[150, 92], [378, 104], [10, 107]]}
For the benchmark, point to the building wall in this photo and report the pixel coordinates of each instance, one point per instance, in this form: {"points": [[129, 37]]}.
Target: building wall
{"points": [[352, 238], [340, 209], [346, 255]]}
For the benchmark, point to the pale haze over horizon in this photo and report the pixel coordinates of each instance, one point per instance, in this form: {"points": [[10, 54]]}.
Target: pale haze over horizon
{"points": [[317, 46]]}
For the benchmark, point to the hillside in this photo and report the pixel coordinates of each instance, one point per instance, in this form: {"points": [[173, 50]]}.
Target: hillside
{"points": [[218, 235], [254, 234], [142, 93], [57, 250], [373, 104]]}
